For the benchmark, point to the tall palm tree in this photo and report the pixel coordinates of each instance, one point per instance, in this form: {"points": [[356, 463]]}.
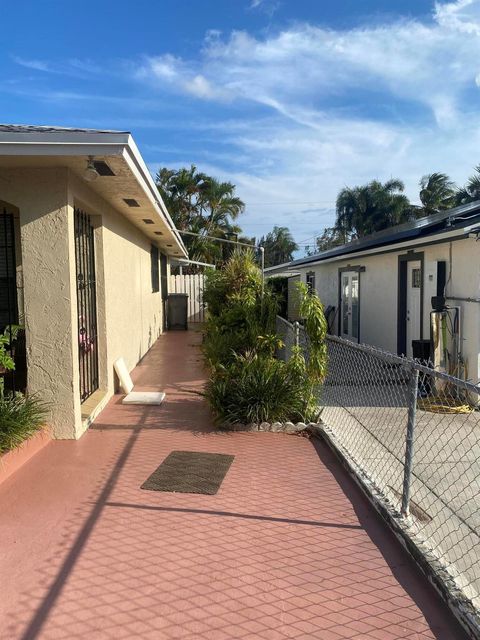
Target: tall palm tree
{"points": [[372, 207], [471, 191], [219, 203], [180, 190], [279, 246], [437, 193], [203, 205]]}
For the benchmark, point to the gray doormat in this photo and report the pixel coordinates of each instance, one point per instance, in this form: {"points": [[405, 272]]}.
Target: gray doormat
{"points": [[190, 472]]}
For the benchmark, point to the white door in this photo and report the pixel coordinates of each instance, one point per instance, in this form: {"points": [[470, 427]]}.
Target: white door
{"points": [[414, 289], [349, 306]]}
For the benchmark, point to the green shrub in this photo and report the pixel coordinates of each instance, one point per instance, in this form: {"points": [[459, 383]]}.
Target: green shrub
{"points": [[259, 388], [315, 323], [237, 311], [240, 280], [247, 383], [20, 417]]}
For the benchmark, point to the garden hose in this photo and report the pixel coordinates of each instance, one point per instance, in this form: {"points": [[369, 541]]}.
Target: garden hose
{"points": [[437, 404]]}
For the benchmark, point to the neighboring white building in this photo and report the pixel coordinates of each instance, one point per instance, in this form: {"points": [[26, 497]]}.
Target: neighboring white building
{"points": [[85, 245], [378, 290]]}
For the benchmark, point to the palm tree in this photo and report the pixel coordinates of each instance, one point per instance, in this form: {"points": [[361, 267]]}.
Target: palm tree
{"points": [[180, 190], [202, 205], [372, 207], [220, 204], [471, 191], [437, 193], [279, 246]]}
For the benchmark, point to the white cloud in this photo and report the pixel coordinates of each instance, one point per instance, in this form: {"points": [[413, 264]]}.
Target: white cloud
{"points": [[463, 15], [74, 67], [269, 7], [416, 74], [428, 64], [37, 65], [179, 75]]}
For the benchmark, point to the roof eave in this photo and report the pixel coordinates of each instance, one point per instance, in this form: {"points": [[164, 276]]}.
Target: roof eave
{"points": [[70, 143]]}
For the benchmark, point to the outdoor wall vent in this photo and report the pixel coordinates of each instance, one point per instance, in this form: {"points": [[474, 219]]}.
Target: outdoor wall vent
{"points": [[169, 245], [148, 221], [158, 233], [102, 168], [131, 202]]}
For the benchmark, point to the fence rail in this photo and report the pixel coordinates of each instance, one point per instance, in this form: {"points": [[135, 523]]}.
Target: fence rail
{"points": [[193, 284], [414, 433]]}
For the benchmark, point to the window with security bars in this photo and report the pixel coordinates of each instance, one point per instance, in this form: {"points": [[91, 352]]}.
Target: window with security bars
{"points": [[8, 288], [416, 278], [311, 281], [86, 304], [154, 257], [164, 275]]}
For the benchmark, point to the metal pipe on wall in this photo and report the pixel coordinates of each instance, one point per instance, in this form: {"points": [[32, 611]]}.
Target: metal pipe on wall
{"points": [[459, 299]]}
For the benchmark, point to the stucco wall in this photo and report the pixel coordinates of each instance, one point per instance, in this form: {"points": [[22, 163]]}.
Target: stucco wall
{"points": [[129, 313], [379, 293], [46, 233]]}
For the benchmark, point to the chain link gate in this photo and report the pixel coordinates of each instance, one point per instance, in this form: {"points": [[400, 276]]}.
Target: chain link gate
{"points": [[86, 304]]}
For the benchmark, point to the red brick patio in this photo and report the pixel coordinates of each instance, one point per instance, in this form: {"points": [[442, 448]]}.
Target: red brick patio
{"points": [[288, 548]]}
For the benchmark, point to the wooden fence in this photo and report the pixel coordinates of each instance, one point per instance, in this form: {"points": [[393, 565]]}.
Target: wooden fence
{"points": [[193, 285]]}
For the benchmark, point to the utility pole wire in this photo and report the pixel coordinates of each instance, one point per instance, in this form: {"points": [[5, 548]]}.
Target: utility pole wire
{"points": [[201, 235], [244, 244]]}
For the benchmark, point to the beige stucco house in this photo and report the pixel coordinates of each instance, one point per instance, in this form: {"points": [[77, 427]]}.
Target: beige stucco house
{"points": [[85, 246], [380, 289]]}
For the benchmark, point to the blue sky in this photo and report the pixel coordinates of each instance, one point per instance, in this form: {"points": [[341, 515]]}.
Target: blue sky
{"points": [[289, 99]]}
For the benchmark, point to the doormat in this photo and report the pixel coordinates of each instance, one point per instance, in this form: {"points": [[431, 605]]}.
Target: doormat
{"points": [[190, 472]]}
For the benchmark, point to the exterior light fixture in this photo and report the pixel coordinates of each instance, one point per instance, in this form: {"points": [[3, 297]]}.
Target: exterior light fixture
{"points": [[90, 174]]}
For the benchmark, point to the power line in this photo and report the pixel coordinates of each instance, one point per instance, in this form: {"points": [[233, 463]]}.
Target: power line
{"points": [[286, 202]]}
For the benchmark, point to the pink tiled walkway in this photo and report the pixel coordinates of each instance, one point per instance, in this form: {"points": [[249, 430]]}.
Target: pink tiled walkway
{"points": [[286, 549]]}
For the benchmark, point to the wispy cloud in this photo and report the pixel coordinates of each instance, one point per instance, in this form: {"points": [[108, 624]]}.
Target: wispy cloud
{"points": [[269, 7], [291, 116], [307, 64], [74, 67], [463, 15], [168, 70], [37, 65], [319, 136]]}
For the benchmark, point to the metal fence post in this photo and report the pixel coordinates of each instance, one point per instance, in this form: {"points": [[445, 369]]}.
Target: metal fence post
{"points": [[296, 326], [408, 466]]}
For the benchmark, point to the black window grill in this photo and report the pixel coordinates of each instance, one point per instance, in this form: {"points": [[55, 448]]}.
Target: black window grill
{"points": [[154, 257], [15, 380], [86, 304], [8, 286], [311, 281], [164, 275]]}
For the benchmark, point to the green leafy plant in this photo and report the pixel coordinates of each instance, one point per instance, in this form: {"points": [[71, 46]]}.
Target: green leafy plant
{"points": [[239, 309], [247, 383], [20, 417], [258, 388], [7, 363], [313, 316]]}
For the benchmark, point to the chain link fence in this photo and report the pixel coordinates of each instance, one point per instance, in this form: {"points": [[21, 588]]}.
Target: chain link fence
{"points": [[414, 434]]}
